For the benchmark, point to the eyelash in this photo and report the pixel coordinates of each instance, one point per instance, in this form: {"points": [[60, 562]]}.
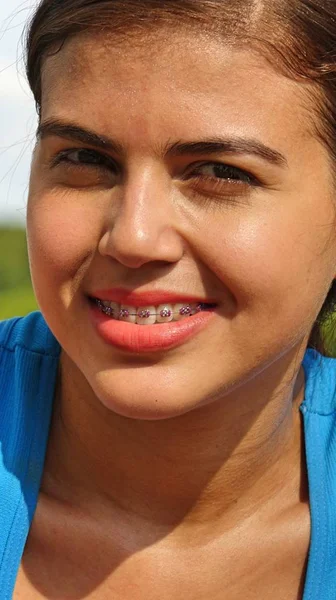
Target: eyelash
{"points": [[244, 177], [103, 161], [234, 175]]}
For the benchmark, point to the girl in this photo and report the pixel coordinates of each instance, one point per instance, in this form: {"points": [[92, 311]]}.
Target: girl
{"points": [[167, 425]]}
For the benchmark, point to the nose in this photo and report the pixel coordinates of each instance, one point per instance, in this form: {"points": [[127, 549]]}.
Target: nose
{"points": [[144, 228]]}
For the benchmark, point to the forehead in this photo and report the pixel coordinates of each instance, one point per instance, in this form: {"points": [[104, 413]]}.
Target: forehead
{"points": [[173, 84]]}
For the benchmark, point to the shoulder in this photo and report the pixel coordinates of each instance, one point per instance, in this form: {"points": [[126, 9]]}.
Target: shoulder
{"points": [[320, 386], [29, 355], [30, 333]]}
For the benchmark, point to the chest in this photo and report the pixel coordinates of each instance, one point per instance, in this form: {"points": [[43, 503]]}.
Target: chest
{"points": [[98, 569], [142, 583]]}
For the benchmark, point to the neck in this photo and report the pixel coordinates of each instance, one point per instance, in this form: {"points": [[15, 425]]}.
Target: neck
{"points": [[217, 464]]}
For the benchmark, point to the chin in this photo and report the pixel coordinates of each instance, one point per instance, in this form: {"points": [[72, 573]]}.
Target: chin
{"points": [[150, 409], [135, 400]]}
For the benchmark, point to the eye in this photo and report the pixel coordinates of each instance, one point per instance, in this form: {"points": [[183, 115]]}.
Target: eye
{"points": [[85, 168], [215, 182], [84, 157], [225, 173]]}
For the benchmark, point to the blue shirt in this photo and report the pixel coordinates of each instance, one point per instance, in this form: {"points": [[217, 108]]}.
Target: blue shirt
{"points": [[29, 357]]}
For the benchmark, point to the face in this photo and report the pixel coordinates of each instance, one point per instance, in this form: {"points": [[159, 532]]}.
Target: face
{"points": [[203, 179]]}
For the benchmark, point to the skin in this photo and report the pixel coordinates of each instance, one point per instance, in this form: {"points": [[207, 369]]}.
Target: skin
{"points": [[193, 454]]}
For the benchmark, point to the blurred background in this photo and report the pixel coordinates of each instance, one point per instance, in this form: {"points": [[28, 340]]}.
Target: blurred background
{"points": [[18, 123]]}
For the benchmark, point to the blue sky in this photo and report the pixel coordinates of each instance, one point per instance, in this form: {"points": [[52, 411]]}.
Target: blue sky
{"points": [[18, 121]]}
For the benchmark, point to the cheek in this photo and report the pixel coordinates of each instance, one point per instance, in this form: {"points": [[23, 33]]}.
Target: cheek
{"points": [[63, 232], [271, 258]]}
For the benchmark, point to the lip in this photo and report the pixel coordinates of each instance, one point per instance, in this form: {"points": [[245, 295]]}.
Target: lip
{"points": [[149, 298], [138, 339]]}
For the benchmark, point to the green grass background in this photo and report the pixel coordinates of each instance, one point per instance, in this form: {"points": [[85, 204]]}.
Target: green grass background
{"points": [[16, 293]]}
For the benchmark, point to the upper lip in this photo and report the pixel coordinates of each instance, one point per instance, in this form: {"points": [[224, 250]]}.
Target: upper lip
{"points": [[134, 298]]}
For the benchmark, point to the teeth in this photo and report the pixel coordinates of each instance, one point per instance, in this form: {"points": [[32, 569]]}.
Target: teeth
{"points": [[164, 313], [127, 313], [146, 315], [181, 311], [196, 308], [114, 309], [149, 315]]}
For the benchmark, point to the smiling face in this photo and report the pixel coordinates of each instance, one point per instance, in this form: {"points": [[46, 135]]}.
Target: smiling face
{"points": [[203, 178]]}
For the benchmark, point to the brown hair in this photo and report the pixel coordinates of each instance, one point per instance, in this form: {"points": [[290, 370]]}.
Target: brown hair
{"points": [[298, 35]]}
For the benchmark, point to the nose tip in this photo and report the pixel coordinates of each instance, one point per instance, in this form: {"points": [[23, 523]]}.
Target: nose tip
{"points": [[133, 249], [126, 253]]}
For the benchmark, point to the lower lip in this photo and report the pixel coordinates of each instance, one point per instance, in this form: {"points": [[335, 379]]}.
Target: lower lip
{"points": [[148, 338]]}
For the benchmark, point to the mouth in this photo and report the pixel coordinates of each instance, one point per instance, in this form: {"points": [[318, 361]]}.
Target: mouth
{"points": [[154, 328], [150, 315]]}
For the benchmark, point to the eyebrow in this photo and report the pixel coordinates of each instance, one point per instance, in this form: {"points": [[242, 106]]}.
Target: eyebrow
{"points": [[69, 131], [235, 145], [232, 145]]}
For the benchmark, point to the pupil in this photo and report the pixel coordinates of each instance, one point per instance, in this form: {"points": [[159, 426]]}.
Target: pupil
{"points": [[222, 171], [88, 156]]}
